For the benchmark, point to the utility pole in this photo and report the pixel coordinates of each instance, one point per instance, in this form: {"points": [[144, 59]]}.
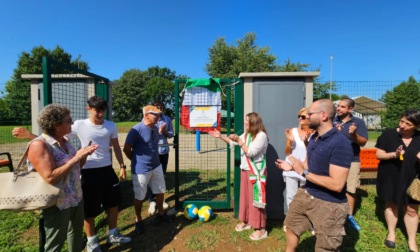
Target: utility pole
{"points": [[331, 70]]}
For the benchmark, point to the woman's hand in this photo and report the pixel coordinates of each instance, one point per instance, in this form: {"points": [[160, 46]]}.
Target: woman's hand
{"points": [[86, 151], [234, 137], [399, 152], [289, 135], [215, 133]]}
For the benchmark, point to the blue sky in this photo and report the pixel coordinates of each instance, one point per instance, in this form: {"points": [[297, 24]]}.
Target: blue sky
{"points": [[370, 40]]}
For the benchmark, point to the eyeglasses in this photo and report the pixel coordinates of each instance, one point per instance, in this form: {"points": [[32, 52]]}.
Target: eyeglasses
{"points": [[315, 112], [303, 117]]}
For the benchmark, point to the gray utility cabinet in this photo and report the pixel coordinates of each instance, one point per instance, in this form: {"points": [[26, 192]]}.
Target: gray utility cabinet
{"points": [[277, 97]]}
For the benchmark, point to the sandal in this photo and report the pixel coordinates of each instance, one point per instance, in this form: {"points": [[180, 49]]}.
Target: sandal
{"points": [[254, 236], [240, 227]]}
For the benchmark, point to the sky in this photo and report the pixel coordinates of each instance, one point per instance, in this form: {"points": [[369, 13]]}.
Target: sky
{"points": [[370, 40]]}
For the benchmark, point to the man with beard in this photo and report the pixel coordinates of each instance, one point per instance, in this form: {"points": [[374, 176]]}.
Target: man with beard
{"points": [[355, 130], [322, 203]]}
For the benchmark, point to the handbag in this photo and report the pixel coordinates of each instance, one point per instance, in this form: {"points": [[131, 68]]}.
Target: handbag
{"points": [[23, 190], [414, 189]]}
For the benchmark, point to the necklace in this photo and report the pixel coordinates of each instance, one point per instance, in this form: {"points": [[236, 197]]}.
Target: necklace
{"points": [[406, 141]]}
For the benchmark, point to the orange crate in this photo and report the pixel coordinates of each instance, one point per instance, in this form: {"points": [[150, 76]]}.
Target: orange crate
{"points": [[368, 159]]}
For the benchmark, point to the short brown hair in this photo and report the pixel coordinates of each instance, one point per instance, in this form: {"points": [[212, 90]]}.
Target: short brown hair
{"points": [[51, 116]]}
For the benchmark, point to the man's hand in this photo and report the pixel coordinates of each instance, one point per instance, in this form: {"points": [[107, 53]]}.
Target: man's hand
{"points": [[21, 133], [283, 165], [352, 129], [162, 129]]}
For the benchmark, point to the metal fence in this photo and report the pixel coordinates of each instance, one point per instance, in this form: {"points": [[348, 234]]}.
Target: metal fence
{"points": [[368, 92]]}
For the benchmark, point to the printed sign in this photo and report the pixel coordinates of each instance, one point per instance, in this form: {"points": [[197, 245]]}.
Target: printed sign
{"points": [[203, 116]]}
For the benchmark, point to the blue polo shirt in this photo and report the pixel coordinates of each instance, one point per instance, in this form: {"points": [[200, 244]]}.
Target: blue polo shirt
{"points": [[361, 131], [145, 142], [330, 148]]}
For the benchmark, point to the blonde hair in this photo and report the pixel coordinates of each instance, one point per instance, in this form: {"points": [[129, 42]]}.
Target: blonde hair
{"points": [[302, 110]]}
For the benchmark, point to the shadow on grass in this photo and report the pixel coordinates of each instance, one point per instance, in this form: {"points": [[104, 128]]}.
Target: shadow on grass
{"points": [[159, 234]]}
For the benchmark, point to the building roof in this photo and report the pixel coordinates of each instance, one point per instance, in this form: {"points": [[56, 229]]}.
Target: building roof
{"points": [[368, 106]]}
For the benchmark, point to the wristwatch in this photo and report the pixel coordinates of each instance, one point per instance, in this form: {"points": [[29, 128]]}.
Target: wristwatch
{"points": [[123, 166], [305, 172]]}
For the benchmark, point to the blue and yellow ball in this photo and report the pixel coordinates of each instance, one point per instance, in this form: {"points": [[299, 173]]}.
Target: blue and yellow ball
{"points": [[205, 213], [191, 212]]}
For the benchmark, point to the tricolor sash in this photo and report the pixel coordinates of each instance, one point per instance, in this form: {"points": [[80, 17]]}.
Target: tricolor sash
{"points": [[257, 177]]}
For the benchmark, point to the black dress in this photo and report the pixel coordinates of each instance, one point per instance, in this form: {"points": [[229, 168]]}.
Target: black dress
{"points": [[394, 175]]}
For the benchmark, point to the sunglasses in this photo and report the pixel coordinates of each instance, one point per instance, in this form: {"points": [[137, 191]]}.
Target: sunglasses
{"points": [[303, 117]]}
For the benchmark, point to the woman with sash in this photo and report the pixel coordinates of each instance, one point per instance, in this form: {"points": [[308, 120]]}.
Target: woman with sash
{"points": [[252, 201]]}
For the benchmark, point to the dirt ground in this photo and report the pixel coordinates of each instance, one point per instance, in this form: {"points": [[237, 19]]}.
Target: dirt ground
{"points": [[184, 235]]}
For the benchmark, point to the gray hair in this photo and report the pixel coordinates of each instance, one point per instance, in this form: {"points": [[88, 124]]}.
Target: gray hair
{"points": [[52, 116]]}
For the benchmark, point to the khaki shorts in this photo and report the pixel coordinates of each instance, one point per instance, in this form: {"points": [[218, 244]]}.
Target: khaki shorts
{"points": [[154, 178], [327, 218], [353, 180]]}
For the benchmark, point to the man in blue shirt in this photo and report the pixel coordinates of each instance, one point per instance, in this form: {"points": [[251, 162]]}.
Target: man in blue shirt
{"points": [[322, 204], [355, 130], [141, 146]]}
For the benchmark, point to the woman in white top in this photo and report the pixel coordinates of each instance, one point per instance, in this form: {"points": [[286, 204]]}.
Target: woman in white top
{"points": [[253, 144], [296, 142]]}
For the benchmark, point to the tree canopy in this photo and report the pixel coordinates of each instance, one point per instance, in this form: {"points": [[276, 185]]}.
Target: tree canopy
{"points": [[16, 103], [401, 98], [228, 61], [137, 88]]}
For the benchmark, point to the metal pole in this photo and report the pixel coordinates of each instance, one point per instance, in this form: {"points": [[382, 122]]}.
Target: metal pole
{"points": [[331, 68]]}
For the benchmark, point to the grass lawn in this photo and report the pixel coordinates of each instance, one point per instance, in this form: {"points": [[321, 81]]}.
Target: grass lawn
{"points": [[18, 231]]}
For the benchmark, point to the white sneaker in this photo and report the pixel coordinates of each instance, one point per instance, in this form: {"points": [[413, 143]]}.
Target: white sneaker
{"points": [[118, 239], [93, 246], [152, 208], [165, 205]]}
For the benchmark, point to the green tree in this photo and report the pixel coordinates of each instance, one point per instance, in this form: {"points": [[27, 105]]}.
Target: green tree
{"points": [[227, 61], [17, 90], [322, 91], [401, 98], [137, 88]]}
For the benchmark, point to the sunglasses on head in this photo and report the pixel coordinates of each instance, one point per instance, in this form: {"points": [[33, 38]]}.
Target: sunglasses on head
{"points": [[303, 117]]}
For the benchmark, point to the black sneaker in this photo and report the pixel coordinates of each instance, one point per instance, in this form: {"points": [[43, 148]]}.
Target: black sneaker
{"points": [[139, 227], [165, 218]]}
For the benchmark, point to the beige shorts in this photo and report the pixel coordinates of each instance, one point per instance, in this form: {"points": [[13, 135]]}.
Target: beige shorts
{"points": [[154, 178], [327, 218], [353, 180]]}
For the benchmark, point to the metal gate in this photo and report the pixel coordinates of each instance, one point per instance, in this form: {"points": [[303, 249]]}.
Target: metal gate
{"points": [[203, 173]]}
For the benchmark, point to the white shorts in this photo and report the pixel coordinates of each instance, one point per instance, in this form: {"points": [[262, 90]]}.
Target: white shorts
{"points": [[154, 178]]}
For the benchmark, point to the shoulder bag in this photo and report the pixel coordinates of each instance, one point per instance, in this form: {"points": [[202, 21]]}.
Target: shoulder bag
{"points": [[413, 190], [23, 190]]}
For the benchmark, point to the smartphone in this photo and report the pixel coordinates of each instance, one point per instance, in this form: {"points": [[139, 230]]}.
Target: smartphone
{"points": [[90, 143]]}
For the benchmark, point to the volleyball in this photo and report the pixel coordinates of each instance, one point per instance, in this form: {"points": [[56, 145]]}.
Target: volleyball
{"points": [[190, 212], [205, 213]]}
